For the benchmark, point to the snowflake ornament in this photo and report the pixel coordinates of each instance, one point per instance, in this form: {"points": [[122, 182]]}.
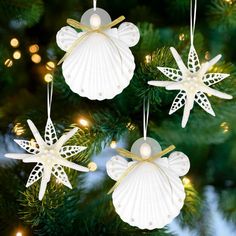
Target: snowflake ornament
{"points": [[50, 155], [193, 82]]}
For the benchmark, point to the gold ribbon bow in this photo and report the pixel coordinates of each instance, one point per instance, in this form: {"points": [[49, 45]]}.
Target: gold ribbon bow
{"points": [[78, 25], [140, 160]]}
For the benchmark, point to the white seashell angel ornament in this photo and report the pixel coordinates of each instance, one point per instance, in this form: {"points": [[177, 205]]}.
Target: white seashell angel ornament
{"points": [[148, 193], [98, 63]]}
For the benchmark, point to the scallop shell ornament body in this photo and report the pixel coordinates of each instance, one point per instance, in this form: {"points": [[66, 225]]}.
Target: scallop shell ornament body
{"points": [[100, 63], [151, 194]]}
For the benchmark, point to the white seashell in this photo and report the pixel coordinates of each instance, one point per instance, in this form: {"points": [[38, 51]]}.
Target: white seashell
{"points": [[116, 167], [66, 36], [101, 65], [179, 163], [150, 196], [99, 68], [129, 33]]}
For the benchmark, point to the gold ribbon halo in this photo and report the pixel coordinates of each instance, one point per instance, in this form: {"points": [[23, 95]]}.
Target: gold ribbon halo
{"points": [[140, 160], [78, 25]]}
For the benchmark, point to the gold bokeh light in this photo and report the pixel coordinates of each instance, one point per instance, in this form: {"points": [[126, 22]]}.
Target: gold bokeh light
{"points": [[14, 42], [113, 144], [83, 122], [17, 55], [34, 48], [8, 62], [36, 58], [92, 166], [48, 78], [50, 65]]}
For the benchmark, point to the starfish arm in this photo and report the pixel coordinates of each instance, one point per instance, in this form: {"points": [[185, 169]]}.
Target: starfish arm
{"points": [[214, 78], [50, 135], [43, 186], [207, 65], [203, 102], [216, 93], [173, 74], [45, 179], [17, 156], [31, 159], [185, 116], [160, 83], [68, 151], [35, 174], [187, 108], [178, 102], [190, 99], [175, 86], [61, 175], [178, 60], [214, 60], [193, 61], [27, 146], [203, 70], [36, 133], [64, 138], [72, 165]]}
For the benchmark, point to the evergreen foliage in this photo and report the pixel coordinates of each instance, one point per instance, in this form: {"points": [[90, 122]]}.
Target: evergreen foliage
{"points": [[208, 141]]}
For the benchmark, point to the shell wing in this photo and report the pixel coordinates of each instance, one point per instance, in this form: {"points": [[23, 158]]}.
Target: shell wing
{"points": [[100, 66], [149, 197], [66, 36], [129, 33], [179, 163], [116, 167]]}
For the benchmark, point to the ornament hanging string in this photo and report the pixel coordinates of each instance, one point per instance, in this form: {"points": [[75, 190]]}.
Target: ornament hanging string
{"points": [[94, 5], [193, 15], [49, 98], [78, 25], [145, 117]]}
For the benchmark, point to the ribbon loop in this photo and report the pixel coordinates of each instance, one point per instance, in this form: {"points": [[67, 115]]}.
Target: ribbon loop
{"points": [[128, 154], [77, 25], [112, 24], [118, 182], [73, 46], [162, 153]]}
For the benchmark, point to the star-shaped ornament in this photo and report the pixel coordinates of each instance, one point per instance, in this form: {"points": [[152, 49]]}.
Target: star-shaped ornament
{"points": [[49, 154], [193, 82]]}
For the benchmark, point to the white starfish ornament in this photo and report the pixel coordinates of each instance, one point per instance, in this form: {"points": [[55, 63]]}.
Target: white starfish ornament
{"points": [[192, 81], [50, 156]]}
